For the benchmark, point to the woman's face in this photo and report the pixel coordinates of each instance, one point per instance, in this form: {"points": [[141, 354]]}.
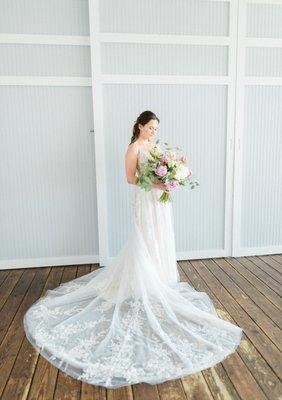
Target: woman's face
{"points": [[149, 130]]}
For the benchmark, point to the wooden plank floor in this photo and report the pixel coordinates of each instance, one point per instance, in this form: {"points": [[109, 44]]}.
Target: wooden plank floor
{"points": [[244, 290]]}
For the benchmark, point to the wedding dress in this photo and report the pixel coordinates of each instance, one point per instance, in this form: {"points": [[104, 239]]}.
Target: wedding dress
{"points": [[132, 321]]}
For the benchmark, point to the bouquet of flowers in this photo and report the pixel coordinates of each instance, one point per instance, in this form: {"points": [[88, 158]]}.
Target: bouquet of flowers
{"points": [[167, 165]]}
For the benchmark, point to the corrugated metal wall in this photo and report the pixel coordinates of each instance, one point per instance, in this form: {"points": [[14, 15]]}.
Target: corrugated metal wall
{"points": [[177, 58], [258, 168], [47, 174]]}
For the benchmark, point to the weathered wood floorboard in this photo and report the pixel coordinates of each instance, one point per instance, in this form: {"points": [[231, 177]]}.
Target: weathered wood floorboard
{"points": [[244, 290]]}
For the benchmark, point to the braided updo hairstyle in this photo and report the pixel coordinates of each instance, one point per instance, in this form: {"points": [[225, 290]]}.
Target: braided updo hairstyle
{"points": [[143, 119]]}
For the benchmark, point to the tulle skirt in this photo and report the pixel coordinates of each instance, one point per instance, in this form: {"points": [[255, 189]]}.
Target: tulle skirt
{"points": [[132, 321]]}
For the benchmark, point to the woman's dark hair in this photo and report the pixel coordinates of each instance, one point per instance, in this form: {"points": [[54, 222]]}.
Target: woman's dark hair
{"points": [[143, 119]]}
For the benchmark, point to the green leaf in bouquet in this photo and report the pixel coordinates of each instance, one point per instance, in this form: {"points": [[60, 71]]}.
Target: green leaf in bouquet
{"points": [[147, 179], [165, 197], [155, 157]]}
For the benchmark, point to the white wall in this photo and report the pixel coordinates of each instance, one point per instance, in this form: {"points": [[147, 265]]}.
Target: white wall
{"points": [[257, 226], [186, 62], [211, 70], [178, 60], [48, 212]]}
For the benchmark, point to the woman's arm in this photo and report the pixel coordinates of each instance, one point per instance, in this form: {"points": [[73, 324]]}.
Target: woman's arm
{"points": [[131, 163], [131, 159]]}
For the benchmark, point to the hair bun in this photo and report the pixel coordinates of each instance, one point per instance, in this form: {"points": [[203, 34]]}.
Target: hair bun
{"points": [[143, 119]]}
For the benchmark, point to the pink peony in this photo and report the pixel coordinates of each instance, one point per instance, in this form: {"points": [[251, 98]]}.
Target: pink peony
{"points": [[161, 170], [172, 185], [164, 159]]}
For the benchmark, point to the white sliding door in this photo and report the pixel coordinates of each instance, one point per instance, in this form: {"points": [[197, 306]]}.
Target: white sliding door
{"points": [[257, 227], [177, 59], [48, 212]]}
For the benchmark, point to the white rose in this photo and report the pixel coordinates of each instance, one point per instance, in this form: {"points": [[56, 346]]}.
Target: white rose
{"points": [[182, 172]]}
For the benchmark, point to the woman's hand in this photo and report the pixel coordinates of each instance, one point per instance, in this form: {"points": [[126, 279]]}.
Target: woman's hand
{"points": [[158, 185]]}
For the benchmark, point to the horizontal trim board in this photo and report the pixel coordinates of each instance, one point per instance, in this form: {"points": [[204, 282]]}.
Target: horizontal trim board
{"points": [[110, 37], [187, 255], [135, 38], [266, 81], [94, 259], [263, 42], [267, 2], [258, 251], [49, 261], [194, 255], [44, 81], [6, 38], [129, 79], [166, 79], [162, 39]]}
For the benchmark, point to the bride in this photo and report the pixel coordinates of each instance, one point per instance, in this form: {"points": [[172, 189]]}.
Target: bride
{"points": [[132, 321]]}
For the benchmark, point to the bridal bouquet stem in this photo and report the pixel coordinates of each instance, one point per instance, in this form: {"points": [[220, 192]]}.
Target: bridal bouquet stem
{"points": [[169, 166]]}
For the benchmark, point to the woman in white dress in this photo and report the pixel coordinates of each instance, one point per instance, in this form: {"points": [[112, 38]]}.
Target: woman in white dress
{"points": [[133, 321]]}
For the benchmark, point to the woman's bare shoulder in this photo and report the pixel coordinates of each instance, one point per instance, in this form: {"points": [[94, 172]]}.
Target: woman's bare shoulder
{"points": [[132, 148]]}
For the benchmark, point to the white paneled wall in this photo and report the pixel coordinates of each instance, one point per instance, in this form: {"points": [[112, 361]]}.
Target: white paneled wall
{"points": [[167, 59], [210, 69], [181, 108], [187, 62], [70, 60], [178, 60], [261, 220], [263, 18], [48, 213], [52, 17], [165, 17], [257, 226]]}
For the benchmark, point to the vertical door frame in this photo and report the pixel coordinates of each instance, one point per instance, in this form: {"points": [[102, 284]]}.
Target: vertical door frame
{"points": [[97, 97], [239, 126], [231, 114]]}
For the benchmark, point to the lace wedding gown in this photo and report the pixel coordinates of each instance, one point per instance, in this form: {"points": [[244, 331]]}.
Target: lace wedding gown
{"points": [[133, 321]]}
